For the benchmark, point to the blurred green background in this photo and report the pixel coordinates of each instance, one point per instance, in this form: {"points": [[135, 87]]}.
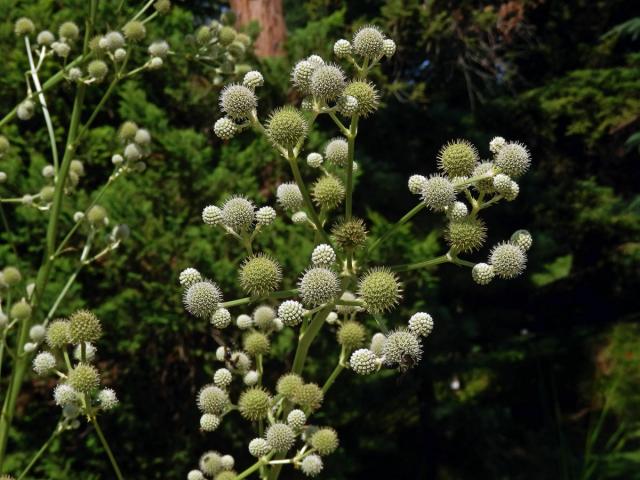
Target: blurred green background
{"points": [[537, 378]]}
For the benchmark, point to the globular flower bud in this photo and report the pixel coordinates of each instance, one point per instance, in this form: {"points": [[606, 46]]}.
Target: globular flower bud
{"points": [[256, 343], [163, 7], [308, 396], [189, 276], [496, 144], [328, 192], [228, 462], [323, 256], [377, 343], [107, 399], [502, 183], [350, 234], [327, 82], [212, 215], [307, 104], [342, 48], [84, 326], [403, 348], [221, 354], [238, 213], [128, 130], [30, 347], [135, 31], [324, 440], [513, 159], [37, 333], [238, 101], [210, 463], [69, 31], [97, 215], [251, 378], [209, 422], [142, 137], [47, 193], [417, 183], [253, 79], [458, 158], [202, 298], [115, 40], [212, 399], [296, 419], [369, 42], [263, 317], [43, 363], [120, 54], [318, 285], [380, 290], [254, 404], [347, 105], [337, 152], [244, 322], [24, 26], [45, 38], [260, 275], [221, 318], [351, 335], [289, 196], [26, 109], [20, 310], [286, 126], [457, 211], [484, 168], [512, 192], [58, 334], [258, 447], [301, 75], [311, 465], [195, 475], [508, 260], [61, 49], [466, 235], [280, 437], [522, 239], [117, 159], [159, 48], [84, 378], [132, 152], [388, 47], [482, 273], [291, 312], [421, 324], [222, 378], [65, 395], [332, 318], [438, 193], [89, 352], [316, 60], [288, 384], [226, 35], [299, 218], [366, 95], [265, 216], [11, 276], [363, 362], [314, 160]]}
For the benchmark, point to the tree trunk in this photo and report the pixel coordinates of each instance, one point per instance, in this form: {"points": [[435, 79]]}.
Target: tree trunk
{"points": [[269, 14]]}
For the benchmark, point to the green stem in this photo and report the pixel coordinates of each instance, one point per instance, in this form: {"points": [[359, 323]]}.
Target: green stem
{"points": [[105, 444], [408, 216], [247, 300], [40, 452], [425, 263], [332, 378], [254, 467], [307, 338], [353, 131]]}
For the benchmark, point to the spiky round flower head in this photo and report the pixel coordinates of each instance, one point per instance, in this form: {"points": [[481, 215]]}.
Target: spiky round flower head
{"points": [[286, 126], [364, 361], [189, 276], [221, 318], [438, 193], [244, 322], [301, 75], [324, 440], [327, 82], [263, 317], [417, 183], [513, 159], [128, 131], [289, 196], [61, 49], [318, 285], [69, 31], [251, 378], [502, 183], [388, 47], [508, 260], [380, 290], [11, 276], [351, 335], [227, 35], [195, 475], [328, 192], [238, 213], [210, 463], [347, 105], [238, 101], [466, 235], [482, 273], [222, 378], [163, 7], [496, 144], [369, 42], [337, 151], [323, 256], [258, 447], [403, 348], [512, 192], [484, 168], [265, 216], [58, 334], [20, 310], [316, 60], [299, 218], [342, 48], [227, 463], [84, 326], [311, 465], [23, 26], [309, 396], [350, 234], [107, 399], [253, 79], [134, 31], [64, 395], [458, 158], [37, 333], [256, 343], [457, 211], [209, 422], [202, 298], [291, 312], [84, 378], [225, 128], [296, 419], [97, 215], [366, 95], [522, 239], [98, 69], [212, 399], [260, 275], [159, 48], [280, 437], [212, 215], [314, 160], [43, 363], [288, 384], [26, 109], [254, 403], [421, 324], [45, 37]]}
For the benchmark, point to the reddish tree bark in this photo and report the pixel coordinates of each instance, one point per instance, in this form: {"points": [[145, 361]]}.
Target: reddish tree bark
{"points": [[269, 14]]}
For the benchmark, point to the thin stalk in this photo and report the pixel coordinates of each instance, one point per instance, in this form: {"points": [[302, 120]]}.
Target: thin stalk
{"points": [[40, 452], [408, 216], [351, 140], [254, 467], [332, 378], [62, 294], [425, 263], [105, 445], [307, 338], [247, 300]]}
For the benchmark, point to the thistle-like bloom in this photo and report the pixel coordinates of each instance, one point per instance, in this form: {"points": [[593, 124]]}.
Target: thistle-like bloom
{"points": [[458, 158], [159, 48], [189, 276], [225, 128], [291, 312], [482, 273], [351, 335], [508, 260], [209, 422], [336, 151], [256, 343], [327, 82], [260, 275], [513, 159], [380, 290], [210, 463], [325, 441], [244, 322], [402, 348], [301, 75], [65, 394], [134, 31], [258, 447], [421, 324], [311, 465], [212, 399], [289, 196], [369, 42], [238, 213], [254, 403], [484, 169], [496, 144], [308, 396], [314, 160], [280, 437], [466, 235], [363, 361], [107, 399], [238, 101], [323, 256], [202, 299], [265, 216], [84, 326], [388, 47], [58, 334], [366, 96], [318, 285], [253, 79], [342, 48], [43, 363], [377, 343], [263, 317], [296, 419], [523, 239], [438, 193], [221, 318], [286, 127], [417, 183], [84, 378], [222, 378]]}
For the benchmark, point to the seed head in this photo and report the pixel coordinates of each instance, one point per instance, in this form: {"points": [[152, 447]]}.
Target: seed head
{"points": [[438, 193], [380, 290], [286, 127], [325, 441], [260, 275], [58, 334], [84, 378], [328, 192], [466, 235], [256, 343], [308, 396], [84, 326], [301, 75], [254, 404], [369, 42], [458, 158], [327, 82], [288, 384], [365, 94]]}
